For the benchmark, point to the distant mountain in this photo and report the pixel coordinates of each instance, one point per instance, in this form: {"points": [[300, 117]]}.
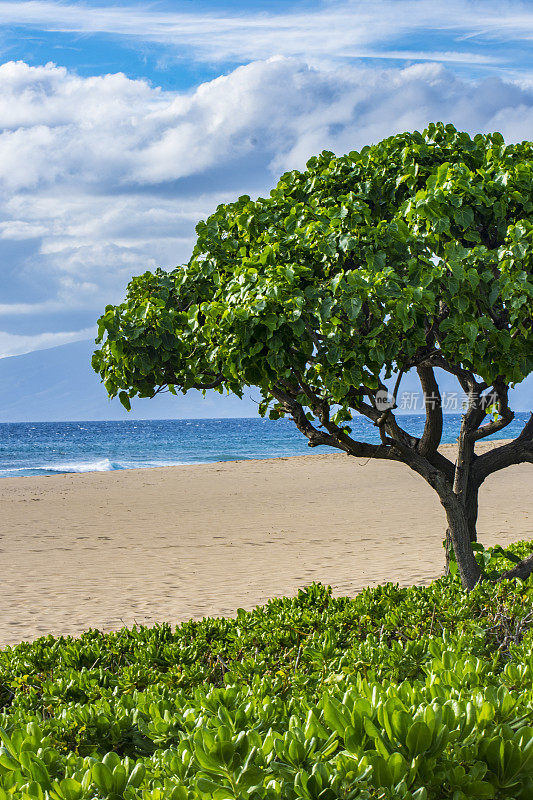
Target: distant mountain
{"points": [[59, 384]]}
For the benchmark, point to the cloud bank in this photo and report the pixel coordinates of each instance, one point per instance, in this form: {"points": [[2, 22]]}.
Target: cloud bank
{"points": [[104, 177]]}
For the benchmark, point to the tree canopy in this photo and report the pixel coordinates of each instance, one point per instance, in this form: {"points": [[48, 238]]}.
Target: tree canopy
{"points": [[414, 252]]}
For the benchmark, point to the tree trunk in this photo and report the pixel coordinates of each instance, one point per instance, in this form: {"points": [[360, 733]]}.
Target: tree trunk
{"points": [[471, 510], [449, 550], [458, 537]]}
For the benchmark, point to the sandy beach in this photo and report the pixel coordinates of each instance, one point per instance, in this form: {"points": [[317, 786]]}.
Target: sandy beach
{"points": [[108, 549]]}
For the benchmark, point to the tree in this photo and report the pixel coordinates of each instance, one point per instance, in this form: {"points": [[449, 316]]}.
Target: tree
{"points": [[415, 253]]}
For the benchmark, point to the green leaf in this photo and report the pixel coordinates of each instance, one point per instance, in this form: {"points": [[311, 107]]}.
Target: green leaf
{"points": [[8, 762], [382, 777], [335, 716], [419, 738], [464, 217], [71, 789], [398, 767], [125, 400], [353, 307], [209, 761], [103, 777], [480, 790], [137, 776]]}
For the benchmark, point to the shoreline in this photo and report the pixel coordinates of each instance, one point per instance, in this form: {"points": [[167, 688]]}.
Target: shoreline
{"points": [[446, 446], [167, 544]]}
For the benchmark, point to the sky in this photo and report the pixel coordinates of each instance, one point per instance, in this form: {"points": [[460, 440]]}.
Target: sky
{"points": [[123, 124]]}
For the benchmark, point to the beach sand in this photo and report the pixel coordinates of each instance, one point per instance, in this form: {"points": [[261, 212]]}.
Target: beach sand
{"points": [[103, 550]]}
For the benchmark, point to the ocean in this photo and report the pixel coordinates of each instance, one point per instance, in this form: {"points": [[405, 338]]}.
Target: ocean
{"points": [[48, 448]]}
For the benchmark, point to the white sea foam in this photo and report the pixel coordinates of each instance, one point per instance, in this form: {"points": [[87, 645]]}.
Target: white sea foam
{"points": [[104, 465]]}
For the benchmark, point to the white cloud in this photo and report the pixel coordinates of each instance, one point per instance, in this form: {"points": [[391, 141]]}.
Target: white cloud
{"points": [[105, 177], [16, 345], [110, 134], [77, 125], [331, 30], [25, 309]]}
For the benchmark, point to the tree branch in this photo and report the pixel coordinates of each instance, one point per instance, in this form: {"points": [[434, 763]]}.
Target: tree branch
{"points": [[200, 386], [526, 434], [472, 419], [296, 410], [387, 422], [500, 397], [396, 433], [519, 451], [432, 435], [335, 437], [466, 378], [521, 570], [211, 384]]}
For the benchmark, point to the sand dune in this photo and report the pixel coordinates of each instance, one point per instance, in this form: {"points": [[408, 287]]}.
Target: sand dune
{"points": [[104, 550]]}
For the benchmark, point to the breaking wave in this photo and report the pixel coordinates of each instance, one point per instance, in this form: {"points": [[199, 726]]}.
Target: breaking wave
{"points": [[104, 465]]}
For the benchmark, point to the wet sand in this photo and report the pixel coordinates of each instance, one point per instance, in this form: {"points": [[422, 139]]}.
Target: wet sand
{"points": [[102, 550]]}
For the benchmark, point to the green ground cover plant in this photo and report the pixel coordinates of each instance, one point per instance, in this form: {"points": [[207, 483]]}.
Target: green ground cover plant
{"points": [[417, 693]]}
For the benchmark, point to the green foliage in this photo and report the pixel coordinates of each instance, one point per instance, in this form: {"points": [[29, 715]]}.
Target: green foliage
{"points": [[340, 273], [419, 693]]}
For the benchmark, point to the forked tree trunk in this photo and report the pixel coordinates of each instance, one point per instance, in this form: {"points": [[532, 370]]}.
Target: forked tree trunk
{"points": [[456, 485]]}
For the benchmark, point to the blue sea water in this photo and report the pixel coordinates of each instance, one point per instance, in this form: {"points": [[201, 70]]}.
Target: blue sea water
{"points": [[48, 448]]}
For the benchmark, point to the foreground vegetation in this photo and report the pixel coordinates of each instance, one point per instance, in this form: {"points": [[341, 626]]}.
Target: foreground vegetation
{"points": [[420, 692]]}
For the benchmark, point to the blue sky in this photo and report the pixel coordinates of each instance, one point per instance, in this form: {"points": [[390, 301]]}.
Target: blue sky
{"points": [[123, 124]]}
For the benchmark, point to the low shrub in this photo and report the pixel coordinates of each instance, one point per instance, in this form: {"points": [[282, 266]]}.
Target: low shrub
{"points": [[410, 693]]}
